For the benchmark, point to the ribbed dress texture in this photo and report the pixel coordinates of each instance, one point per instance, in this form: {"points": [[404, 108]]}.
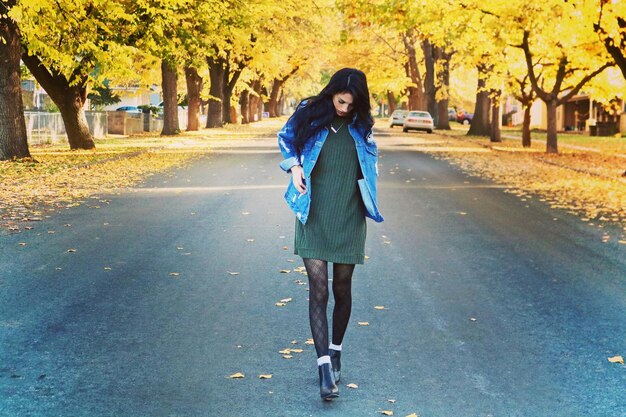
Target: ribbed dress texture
{"points": [[335, 230]]}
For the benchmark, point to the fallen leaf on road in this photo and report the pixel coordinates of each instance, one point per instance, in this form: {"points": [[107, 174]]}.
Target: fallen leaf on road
{"points": [[22, 244], [294, 342], [366, 257], [107, 268], [462, 213], [617, 359], [297, 350], [352, 385], [265, 376], [364, 323], [472, 318], [623, 242], [245, 213], [174, 274], [286, 300], [386, 413], [180, 248], [285, 271], [51, 232], [237, 375], [287, 356], [285, 247], [413, 415], [379, 307], [309, 342], [391, 401], [232, 273], [249, 240], [280, 304], [300, 282], [71, 250]]}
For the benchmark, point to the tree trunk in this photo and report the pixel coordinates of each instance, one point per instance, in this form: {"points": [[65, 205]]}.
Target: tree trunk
{"points": [[194, 87], [216, 92], [273, 103], [230, 81], [495, 116], [391, 101], [481, 125], [415, 92], [169, 84], [281, 103], [526, 140], [13, 140], [243, 102], [69, 96], [429, 78], [551, 143], [443, 75]]}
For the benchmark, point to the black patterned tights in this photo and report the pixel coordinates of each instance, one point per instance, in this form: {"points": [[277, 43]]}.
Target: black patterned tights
{"points": [[317, 271]]}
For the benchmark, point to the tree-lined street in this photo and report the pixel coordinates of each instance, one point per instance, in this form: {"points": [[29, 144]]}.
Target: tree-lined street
{"points": [[493, 306]]}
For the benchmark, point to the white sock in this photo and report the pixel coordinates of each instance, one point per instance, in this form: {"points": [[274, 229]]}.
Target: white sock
{"points": [[322, 360], [335, 347]]}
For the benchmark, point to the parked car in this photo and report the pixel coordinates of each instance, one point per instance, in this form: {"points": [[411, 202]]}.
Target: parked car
{"points": [[397, 118], [451, 115], [418, 120], [129, 109], [464, 117]]}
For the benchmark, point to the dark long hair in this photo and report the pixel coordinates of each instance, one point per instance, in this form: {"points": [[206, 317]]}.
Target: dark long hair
{"points": [[314, 113]]}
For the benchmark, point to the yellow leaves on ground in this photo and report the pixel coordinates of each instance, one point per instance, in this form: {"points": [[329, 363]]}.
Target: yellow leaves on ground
{"points": [[379, 307], [265, 376], [237, 375], [57, 177], [174, 274], [352, 385], [386, 413], [284, 302], [588, 184], [287, 353], [309, 342], [232, 273], [363, 323], [617, 359]]}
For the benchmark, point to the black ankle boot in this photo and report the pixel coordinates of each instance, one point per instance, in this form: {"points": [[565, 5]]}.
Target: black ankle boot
{"points": [[328, 389], [335, 360]]}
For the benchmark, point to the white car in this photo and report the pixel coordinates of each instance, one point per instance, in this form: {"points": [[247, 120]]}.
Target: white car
{"points": [[397, 118], [418, 120]]}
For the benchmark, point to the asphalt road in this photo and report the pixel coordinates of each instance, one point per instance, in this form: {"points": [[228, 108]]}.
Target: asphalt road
{"points": [[143, 303]]}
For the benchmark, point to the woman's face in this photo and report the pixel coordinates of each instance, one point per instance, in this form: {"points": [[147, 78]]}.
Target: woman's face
{"points": [[343, 103]]}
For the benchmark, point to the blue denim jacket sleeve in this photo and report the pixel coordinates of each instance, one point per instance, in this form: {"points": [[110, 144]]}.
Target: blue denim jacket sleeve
{"points": [[286, 137]]}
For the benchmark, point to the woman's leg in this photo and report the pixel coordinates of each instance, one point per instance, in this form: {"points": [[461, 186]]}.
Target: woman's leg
{"points": [[342, 291], [317, 271]]}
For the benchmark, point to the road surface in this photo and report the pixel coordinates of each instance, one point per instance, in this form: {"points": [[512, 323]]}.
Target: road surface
{"points": [[144, 303]]}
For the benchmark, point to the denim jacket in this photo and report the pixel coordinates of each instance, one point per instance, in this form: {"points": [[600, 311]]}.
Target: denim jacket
{"points": [[307, 157]]}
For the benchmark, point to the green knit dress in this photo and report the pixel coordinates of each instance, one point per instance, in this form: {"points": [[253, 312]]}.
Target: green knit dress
{"points": [[335, 229]]}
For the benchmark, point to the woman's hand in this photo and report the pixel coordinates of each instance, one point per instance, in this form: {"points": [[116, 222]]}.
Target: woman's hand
{"points": [[298, 178]]}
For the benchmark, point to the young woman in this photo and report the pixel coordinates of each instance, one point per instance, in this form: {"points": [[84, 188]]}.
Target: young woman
{"points": [[329, 151]]}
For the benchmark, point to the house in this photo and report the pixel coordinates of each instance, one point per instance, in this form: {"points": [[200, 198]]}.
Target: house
{"points": [[580, 114]]}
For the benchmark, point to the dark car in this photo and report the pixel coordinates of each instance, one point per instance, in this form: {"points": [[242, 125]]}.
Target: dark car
{"points": [[129, 109], [464, 117], [451, 115]]}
